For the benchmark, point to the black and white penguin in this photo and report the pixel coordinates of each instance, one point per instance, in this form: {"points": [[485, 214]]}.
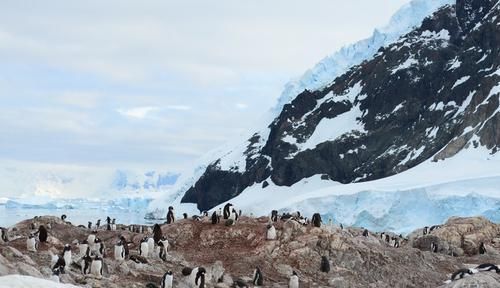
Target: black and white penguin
{"points": [[227, 210], [91, 238], [461, 274], [435, 227], [125, 246], [365, 233], [89, 225], [113, 224], [170, 215], [434, 247], [185, 215], [108, 223], [99, 247], [151, 245], [67, 254], [258, 278], [144, 247], [395, 242], [167, 280], [316, 220], [387, 238], [98, 224], [274, 216], [488, 267], [63, 217], [294, 280], [96, 267], [84, 247], [199, 280], [426, 230], [271, 232], [482, 248], [119, 251], [4, 237], [214, 218], [86, 263], [42, 234], [55, 275], [233, 215], [60, 264], [325, 264], [162, 248], [157, 233], [31, 244]]}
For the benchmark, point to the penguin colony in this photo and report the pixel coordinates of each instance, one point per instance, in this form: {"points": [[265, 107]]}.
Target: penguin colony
{"points": [[91, 250]]}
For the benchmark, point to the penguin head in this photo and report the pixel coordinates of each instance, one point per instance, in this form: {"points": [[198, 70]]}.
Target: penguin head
{"points": [[85, 242], [170, 208], [169, 272], [269, 226], [31, 235], [67, 247], [56, 271], [294, 273]]}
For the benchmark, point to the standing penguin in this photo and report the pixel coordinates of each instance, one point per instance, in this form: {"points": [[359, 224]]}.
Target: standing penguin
{"points": [[96, 267], [113, 225], [60, 264], [434, 247], [365, 233], [55, 275], [227, 210], [215, 219], [86, 263], [482, 249], [91, 238], [157, 233], [151, 245], [294, 280], [84, 247], [199, 280], [170, 215], [108, 223], [258, 279], [42, 234], [271, 232], [125, 246], [233, 215], [163, 248], [89, 225], [325, 264], [4, 237], [31, 243], [119, 251], [426, 230], [67, 254], [274, 216], [316, 220], [167, 280], [144, 247], [98, 224]]}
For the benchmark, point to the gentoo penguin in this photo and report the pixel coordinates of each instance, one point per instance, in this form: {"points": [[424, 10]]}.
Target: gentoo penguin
{"points": [[96, 267], [233, 215], [426, 230], [84, 247], [55, 275], [461, 274], [42, 233], [99, 247], [60, 264], [151, 245], [365, 233], [341, 226], [387, 238], [166, 280], [157, 233], [199, 280], [67, 254], [125, 246], [113, 225], [482, 248], [185, 215], [163, 248], [258, 278], [316, 220], [144, 247], [294, 280], [434, 228], [119, 251], [89, 225], [170, 215], [488, 267], [274, 216], [219, 213], [215, 219], [63, 217], [98, 224], [434, 247], [395, 242], [4, 237], [86, 263], [325, 264], [271, 232], [91, 239], [227, 210], [31, 244], [108, 223]]}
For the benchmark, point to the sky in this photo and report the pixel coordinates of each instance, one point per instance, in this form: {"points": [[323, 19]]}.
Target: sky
{"points": [[155, 84]]}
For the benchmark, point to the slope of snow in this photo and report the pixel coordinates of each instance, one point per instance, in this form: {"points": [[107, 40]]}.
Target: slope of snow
{"points": [[20, 281], [332, 66]]}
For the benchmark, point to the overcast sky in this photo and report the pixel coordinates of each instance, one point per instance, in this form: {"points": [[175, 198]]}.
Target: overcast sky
{"points": [[155, 84]]}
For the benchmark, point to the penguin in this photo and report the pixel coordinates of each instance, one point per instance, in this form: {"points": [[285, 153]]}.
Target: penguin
{"points": [[163, 249], [185, 215], [125, 246], [151, 245], [170, 215], [227, 211], [215, 219], [488, 267], [316, 220], [42, 234], [341, 226], [84, 247], [108, 223], [144, 247], [395, 242], [482, 248], [382, 236], [233, 215], [89, 225], [157, 233], [459, 274], [199, 279], [60, 264], [96, 267], [113, 225], [325, 264], [67, 254], [4, 238], [31, 244], [294, 280], [271, 232], [434, 247], [99, 247], [365, 233], [119, 251], [86, 264], [387, 238], [258, 278], [167, 280], [91, 239], [55, 275], [98, 224], [274, 216], [63, 217], [219, 213], [434, 228], [426, 230]]}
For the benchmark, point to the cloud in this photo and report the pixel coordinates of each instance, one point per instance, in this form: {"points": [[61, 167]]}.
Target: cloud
{"points": [[241, 106], [137, 112], [179, 107]]}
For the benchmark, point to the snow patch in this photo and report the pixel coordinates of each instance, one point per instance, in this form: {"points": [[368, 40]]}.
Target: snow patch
{"points": [[460, 81]]}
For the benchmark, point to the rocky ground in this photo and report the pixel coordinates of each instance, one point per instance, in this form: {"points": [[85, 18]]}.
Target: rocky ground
{"points": [[234, 251]]}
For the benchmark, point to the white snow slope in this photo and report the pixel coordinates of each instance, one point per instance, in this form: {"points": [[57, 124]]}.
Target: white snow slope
{"points": [[19, 281]]}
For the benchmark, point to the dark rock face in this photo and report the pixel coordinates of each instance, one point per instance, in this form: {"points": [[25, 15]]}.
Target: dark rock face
{"points": [[432, 93]]}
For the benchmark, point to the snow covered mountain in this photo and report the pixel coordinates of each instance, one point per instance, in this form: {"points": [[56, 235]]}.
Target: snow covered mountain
{"points": [[418, 96]]}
